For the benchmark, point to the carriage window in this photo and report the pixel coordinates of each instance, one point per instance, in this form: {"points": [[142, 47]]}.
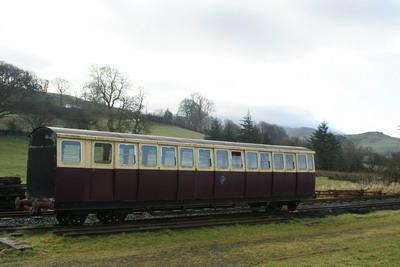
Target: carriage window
{"points": [[205, 160], [310, 162], [222, 159], [186, 157], [302, 162], [278, 162], [149, 156], [168, 158], [237, 162], [289, 160], [102, 153], [127, 154], [265, 161], [71, 152], [252, 160]]}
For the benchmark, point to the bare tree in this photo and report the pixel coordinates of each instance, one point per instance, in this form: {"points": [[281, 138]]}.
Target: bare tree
{"points": [[131, 114], [196, 109], [15, 86], [40, 112], [107, 86], [62, 86]]}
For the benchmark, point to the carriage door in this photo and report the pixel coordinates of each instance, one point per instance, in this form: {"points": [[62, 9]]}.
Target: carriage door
{"points": [[229, 174], [102, 175]]}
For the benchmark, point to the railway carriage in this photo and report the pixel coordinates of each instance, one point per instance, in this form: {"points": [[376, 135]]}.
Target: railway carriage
{"points": [[77, 172]]}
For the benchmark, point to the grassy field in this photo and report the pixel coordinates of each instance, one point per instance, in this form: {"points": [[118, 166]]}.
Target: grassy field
{"points": [[170, 130], [363, 240], [13, 156], [324, 183]]}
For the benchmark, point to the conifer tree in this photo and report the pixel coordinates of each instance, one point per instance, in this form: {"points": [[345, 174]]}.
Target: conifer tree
{"points": [[215, 131], [249, 132], [327, 148]]}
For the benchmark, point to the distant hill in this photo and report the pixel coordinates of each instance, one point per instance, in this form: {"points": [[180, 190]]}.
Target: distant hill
{"points": [[377, 141], [300, 132]]}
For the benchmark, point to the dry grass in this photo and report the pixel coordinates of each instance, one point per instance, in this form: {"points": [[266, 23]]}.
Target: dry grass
{"points": [[327, 183]]}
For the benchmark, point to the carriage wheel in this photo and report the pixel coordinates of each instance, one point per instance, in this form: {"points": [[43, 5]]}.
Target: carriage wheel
{"points": [[292, 206], [68, 218], [111, 217], [274, 206]]}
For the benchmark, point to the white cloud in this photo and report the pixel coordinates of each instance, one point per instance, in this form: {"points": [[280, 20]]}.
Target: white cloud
{"points": [[289, 62]]}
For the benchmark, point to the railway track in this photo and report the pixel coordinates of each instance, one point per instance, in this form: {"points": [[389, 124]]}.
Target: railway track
{"points": [[23, 214], [222, 220], [208, 218]]}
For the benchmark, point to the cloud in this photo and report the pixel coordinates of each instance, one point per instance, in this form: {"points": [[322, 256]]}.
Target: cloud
{"points": [[290, 62]]}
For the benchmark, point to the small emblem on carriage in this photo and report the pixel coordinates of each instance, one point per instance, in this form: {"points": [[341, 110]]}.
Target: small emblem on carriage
{"points": [[222, 179]]}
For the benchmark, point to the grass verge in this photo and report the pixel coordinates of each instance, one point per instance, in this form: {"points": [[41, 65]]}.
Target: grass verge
{"points": [[13, 156], [370, 239]]}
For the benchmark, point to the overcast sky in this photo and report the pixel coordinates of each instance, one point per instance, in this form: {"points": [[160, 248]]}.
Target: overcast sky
{"points": [[294, 63]]}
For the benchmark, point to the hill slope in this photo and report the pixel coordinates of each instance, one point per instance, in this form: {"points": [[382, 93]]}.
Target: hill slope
{"points": [[377, 141], [299, 132], [173, 131]]}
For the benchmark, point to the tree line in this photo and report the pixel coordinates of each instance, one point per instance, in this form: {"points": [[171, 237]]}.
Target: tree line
{"points": [[109, 102]]}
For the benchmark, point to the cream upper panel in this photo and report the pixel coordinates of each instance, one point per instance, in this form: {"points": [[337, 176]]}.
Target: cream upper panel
{"points": [[92, 154]]}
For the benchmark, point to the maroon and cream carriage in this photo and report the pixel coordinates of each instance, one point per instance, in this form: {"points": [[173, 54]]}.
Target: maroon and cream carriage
{"points": [[78, 172]]}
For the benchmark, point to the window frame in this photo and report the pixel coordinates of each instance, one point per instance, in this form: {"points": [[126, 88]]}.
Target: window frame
{"points": [[242, 157], [216, 158], [126, 166], [179, 158], [294, 162], [64, 164], [313, 160], [140, 165], [103, 165], [298, 164], [246, 161], [212, 157], [273, 160], [271, 163], [161, 154]]}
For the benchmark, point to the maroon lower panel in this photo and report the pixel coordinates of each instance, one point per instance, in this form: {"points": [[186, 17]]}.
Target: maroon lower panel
{"points": [[305, 184], [102, 187], [186, 185], [125, 185], [204, 188], [284, 184], [157, 185], [229, 184], [258, 184], [72, 184]]}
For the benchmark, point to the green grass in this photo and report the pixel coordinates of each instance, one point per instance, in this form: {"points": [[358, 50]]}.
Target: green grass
{"points": [[323, 183], [174, 131], [363, 240], [13, 156]]}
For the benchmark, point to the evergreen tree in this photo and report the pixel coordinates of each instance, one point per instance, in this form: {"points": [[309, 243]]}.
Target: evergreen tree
{"points": [[249, 132], [230, 131], [215, 131], [327, 148]]}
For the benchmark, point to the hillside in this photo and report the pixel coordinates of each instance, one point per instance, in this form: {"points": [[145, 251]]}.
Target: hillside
{"points": [[174, 131], [377, 141], [300, 132]]}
